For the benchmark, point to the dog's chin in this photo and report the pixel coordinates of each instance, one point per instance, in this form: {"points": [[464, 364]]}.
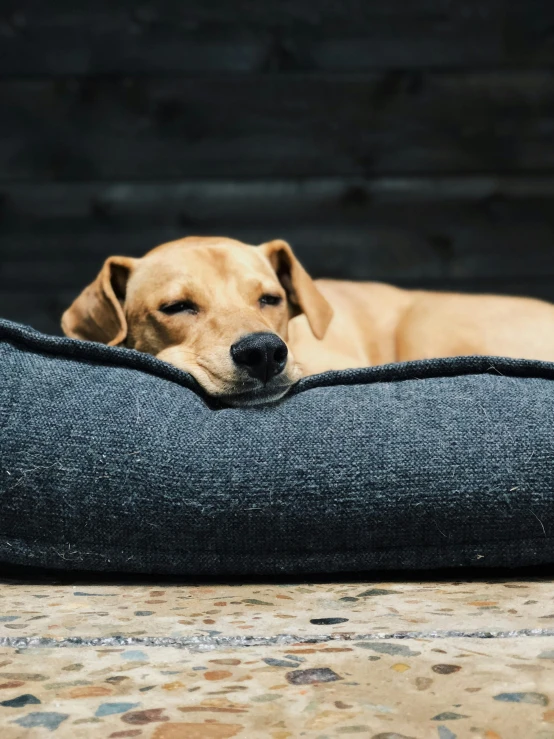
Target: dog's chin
{"points": [[256, 396]]}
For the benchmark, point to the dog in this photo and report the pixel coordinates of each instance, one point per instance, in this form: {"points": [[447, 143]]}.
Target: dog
{"points": [[248, 321]]}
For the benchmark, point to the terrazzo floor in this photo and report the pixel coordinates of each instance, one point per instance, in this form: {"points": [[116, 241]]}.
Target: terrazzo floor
{"points": [[397, 660]]}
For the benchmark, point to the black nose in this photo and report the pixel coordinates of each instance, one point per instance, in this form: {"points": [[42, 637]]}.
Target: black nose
{"points": [[262, 355]]}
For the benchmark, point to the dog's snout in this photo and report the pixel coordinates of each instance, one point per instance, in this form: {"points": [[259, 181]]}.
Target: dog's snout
{"points": [[263, 355]]}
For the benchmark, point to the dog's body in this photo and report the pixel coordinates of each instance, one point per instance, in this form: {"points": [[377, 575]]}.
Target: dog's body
{"points": [[247, 321], [374, 323]]}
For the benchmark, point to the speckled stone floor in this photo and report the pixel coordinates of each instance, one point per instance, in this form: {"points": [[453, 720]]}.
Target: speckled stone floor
{"points": [[397, 660]]}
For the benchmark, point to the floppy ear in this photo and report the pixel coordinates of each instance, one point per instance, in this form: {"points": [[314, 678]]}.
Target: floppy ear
{"points": [[97, 314], [303, 295]]}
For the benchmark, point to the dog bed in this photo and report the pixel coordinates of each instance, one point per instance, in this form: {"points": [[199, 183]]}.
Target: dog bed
{"points": [[113, 460]]}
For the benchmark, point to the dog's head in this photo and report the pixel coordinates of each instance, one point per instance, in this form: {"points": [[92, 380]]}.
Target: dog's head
{"points": [[214, 307]]}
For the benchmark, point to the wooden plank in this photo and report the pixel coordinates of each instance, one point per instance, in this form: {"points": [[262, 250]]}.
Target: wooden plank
{"points": [[41, 310], [468, 233], [107, 37], [401, 242], [57, 236], [213, 201], [107, 128]]}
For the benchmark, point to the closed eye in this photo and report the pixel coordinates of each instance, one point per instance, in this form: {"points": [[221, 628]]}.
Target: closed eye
{"points": [[268, 299], [179, 306]]}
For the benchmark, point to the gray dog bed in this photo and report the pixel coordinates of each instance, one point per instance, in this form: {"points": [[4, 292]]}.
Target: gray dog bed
{"points": [[113, 460]]}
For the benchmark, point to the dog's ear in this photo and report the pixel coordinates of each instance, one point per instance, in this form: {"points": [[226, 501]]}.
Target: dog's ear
{"points": [[303, 295], [97, 314]]}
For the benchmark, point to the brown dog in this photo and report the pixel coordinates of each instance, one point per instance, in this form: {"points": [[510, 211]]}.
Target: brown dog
{"points": [[247, 322]]}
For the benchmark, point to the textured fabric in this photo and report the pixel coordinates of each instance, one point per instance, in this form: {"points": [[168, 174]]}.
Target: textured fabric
{"points": [[113, 460]]}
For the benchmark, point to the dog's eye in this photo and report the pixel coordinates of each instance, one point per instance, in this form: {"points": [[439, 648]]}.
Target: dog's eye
{"points": [[180, 306], [271, 300]]}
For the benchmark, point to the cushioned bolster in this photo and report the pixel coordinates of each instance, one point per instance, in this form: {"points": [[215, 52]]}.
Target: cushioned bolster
{"points": [[113, 460]]}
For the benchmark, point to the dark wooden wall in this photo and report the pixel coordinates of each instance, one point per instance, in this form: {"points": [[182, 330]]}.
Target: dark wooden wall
{"points": [[402, 140]]}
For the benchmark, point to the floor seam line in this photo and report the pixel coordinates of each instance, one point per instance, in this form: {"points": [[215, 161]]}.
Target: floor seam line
{"points": [[215, 642]]}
